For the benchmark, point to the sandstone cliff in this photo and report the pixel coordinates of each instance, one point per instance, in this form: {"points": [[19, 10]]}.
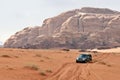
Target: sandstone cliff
{"points": [[80, 28]]}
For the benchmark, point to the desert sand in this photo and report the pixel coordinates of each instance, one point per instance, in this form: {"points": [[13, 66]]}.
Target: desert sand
{"points": [[56, 64], [113, 50]]}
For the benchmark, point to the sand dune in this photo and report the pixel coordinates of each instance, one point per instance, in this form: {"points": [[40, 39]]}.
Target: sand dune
{"points": [[21, 64], [113, 50], [100, 69]]}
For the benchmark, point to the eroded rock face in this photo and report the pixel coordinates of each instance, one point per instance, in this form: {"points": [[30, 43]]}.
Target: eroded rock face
{"points": [[80, 28]]}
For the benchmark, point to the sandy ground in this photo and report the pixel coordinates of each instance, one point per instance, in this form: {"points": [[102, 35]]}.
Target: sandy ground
{"points": [[113, 50], [21, 64]]}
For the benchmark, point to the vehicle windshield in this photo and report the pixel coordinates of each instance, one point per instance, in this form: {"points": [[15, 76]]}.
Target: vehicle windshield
{"points": [[82, 56]]}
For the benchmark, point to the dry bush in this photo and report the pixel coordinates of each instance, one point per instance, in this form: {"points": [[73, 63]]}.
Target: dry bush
{"points": [[41, 60], [66, 49], [82, 50], [38, 55], [46, 57], [49, 71], [10, 68], [42, 73], [5, 55], [16, 56], [94, 51], [32, 67]]}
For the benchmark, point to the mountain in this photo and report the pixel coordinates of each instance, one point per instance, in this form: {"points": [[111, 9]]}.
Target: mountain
{"points": [[80, 28]]}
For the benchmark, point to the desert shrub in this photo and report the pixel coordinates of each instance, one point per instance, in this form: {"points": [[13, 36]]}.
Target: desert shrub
{"points": [[94, 51], [49, 71], [16, 56], [38, 55], [109, 65], [10, 68], [82, 50], [41, 60], [32, 67], [46, 57], [66, 49], [7, 56], [42, 73]]}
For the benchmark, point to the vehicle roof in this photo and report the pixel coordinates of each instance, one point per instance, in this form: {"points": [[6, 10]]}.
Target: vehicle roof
{"points": [[85, 54]]}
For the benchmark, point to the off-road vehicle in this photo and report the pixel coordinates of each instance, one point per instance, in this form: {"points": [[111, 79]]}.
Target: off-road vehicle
{"points": [[84, 58]]}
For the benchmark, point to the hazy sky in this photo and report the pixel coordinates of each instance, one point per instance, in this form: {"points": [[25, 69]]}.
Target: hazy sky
{"points": [[18, 14]]}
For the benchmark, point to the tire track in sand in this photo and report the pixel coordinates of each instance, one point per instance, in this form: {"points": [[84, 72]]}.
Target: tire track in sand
{"points": [[100, 57], [78, 71], [74, 71]]}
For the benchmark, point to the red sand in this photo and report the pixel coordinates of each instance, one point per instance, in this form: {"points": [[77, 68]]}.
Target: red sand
{"points": [[21, 64]]}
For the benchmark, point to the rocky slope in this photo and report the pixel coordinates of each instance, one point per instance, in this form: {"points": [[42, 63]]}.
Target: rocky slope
{"points": [[80, 28]]}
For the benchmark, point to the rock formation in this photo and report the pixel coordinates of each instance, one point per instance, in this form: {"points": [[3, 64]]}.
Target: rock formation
{"points": [[80, 28]]}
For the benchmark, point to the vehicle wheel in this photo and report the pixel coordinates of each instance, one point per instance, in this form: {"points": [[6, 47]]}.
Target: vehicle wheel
{"points": [[86, 61], [76, 61]]}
